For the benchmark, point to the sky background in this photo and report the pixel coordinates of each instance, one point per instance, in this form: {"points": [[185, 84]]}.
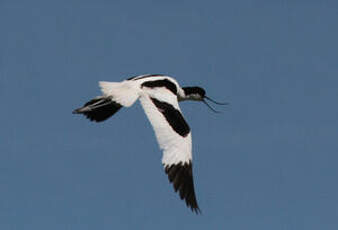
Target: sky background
{"points": [[269, 161]]}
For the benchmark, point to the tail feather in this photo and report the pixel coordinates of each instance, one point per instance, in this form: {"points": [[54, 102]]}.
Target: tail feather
{"points": [[99, 109], [123, 92]]}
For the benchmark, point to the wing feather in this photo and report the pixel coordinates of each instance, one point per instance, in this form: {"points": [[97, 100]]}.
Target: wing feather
{"points": [[174, 138]]}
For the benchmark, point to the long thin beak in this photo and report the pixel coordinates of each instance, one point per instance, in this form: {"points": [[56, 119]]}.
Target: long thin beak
{"points": [[212, 109], [218, 103]]}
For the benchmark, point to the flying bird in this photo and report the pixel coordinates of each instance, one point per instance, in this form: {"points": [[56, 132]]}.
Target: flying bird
{"points": [[159, 96]]}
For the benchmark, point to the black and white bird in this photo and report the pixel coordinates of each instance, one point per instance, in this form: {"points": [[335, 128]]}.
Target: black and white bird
{"points": [[159, 96]]}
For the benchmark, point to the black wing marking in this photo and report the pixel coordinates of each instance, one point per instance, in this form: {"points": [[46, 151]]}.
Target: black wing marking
{"points": [[173, 117], [180, 175], [138, 77], [161, 83], [99, 109], [133, 78]]}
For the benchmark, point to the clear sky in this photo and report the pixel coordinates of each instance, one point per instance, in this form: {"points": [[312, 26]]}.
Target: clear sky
{"points": [[269, 161]]}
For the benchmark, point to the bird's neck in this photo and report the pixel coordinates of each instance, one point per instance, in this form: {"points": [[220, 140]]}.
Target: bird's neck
{"points": [[181, 96]]}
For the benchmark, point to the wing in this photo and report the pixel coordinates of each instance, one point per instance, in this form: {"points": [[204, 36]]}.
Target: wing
{"points": [[99, 109], [174, 137]]}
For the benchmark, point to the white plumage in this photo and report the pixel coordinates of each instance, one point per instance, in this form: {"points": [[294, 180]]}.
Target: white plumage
{"points": [[175, 148], [159, 96]]}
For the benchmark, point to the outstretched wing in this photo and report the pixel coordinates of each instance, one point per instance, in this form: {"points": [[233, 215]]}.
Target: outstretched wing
{"points": [[99, 108], [174, 137]]}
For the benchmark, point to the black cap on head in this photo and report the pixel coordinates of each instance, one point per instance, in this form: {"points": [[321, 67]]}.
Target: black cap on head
{"points": [[198, 94], [194, 90]]}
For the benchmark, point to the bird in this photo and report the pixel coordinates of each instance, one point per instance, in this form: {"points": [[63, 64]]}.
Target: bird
{"points": [[159, 95]]}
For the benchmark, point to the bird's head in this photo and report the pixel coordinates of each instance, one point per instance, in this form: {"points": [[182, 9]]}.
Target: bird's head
{"points": [[198, 94], [194, 93]]}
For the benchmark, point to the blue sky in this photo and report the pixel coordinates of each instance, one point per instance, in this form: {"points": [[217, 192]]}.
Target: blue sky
{"points": [[269, 161]]}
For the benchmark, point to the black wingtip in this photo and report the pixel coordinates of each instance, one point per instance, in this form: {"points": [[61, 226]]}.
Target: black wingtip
{"points": [[180, 175], [99, 109], [76, 111], [197, 211], [81, 110]]}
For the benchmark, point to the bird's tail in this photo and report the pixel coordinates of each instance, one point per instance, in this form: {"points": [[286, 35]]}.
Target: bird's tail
{"points": [[99, 108], [123, 92]]}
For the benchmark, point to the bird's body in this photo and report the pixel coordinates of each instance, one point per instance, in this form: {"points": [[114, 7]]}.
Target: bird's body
{"points": [[159, 96]]}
